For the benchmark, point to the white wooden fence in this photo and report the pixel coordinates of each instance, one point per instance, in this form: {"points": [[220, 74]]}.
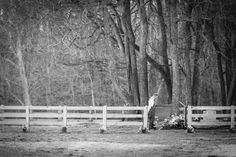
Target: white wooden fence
{"points": [[205, 116], [72, 115]]}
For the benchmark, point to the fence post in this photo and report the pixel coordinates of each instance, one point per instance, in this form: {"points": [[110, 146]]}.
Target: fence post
{"points": [[27, 119], [189, 116], [64, 129], [232, 117], [145, 117], [104, 118]]}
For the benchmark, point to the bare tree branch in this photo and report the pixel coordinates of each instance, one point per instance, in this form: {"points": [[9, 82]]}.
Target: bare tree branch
{"points": [[9, 86]]}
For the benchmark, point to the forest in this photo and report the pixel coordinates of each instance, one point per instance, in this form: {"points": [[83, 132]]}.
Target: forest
{"points": [[117, 52]]}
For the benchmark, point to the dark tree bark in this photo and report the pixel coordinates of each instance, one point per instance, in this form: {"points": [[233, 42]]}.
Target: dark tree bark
{"points": [[164, 54], [143, 56], [127, 47], [174, 55], [196, 73], [220, 74], [123, 46], [188, 43], [209, 33], [128, 32], [128, 62], [228, 60], [230, 63]]}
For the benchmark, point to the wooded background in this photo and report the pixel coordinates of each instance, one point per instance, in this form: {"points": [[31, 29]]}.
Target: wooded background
{"points": [[116, 52]]}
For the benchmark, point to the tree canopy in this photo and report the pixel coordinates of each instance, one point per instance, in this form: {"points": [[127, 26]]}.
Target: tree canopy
{"points": [[115, 52]]}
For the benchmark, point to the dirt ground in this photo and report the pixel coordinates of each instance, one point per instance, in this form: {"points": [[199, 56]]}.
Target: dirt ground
{"points": [[124, 141]]}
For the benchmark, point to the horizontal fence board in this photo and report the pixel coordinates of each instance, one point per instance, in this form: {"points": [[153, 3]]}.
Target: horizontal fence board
{"points": [[125, 108], [79, 121], [83, 108], [211, 107], [109, 115], [109, 108], [46, 107], [7, 115], [45, 115], [124, 115], [215, 115], [215, 123], [12, 122], [12, 107], [130, 123], [83, 115]]}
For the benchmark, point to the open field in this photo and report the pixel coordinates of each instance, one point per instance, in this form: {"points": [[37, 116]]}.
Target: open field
{"points": [[86, 141]]}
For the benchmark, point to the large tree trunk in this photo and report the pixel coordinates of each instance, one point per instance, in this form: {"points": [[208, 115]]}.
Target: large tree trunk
{"points": [[174, 56], [229, 57], [209, 31], [230, 65], [24, 81], [128, 63], [127, 47], [128, 31], [164, 50], [124, 49], [188, 43], [220, 73], [196, 73], [143, 57]]}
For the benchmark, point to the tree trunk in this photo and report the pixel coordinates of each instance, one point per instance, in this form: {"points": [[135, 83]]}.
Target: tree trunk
{"points": [[231, 93], [230, 64], [164, 50], [127, 47], [196, 73], [220, 74], [143, 57], [174, 56], [128, 62], [128, 31], [23, 77], [188, 43], [209, 26]]}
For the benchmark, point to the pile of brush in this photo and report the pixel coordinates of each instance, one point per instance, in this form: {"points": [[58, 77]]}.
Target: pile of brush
{"points": [[172, 122]]}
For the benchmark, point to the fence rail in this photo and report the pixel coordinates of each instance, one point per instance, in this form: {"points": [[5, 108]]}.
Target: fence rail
{"points": [[71, 115], [202, 116]]}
